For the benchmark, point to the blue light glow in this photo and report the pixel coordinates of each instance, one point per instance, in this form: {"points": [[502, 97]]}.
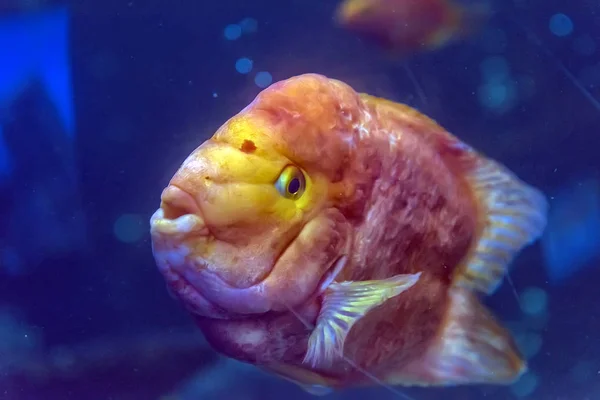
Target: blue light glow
{"points": [[243, 65]]}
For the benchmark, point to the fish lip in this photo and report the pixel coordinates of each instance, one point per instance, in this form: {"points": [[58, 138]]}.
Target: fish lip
{"points": [[193, 199], [190, 223], [186, 224]]}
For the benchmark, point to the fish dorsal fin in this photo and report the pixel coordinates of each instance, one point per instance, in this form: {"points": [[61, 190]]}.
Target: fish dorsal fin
{"points": [[513, 213], [344, 303]]}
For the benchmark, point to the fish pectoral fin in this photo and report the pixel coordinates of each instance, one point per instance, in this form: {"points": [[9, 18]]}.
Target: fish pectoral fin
{"points": [[473, 348], [515, 216], [344, 303]]}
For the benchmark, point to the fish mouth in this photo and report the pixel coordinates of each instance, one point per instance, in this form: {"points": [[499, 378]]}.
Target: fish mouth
{"points": [[204, 293], [179, 214], [176, 263], [184, 225], [188, 276]]}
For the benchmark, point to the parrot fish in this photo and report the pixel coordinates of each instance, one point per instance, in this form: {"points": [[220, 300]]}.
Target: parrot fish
{"points": [[336, 240], [410, 26]]}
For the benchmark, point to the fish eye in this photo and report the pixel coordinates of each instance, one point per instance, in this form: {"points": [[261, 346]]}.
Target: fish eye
{"points": [[291, 183]]}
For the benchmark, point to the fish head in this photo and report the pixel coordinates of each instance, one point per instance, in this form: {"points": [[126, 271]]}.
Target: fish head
{"points": [[253, 221]]}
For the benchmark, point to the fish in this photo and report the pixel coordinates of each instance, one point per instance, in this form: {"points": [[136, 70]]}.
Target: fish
{"points": [[336, 239], [404, 27]]}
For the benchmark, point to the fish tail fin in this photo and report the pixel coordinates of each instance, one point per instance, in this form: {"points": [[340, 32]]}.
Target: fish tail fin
{"points": [[473, 347], [514, 215]]}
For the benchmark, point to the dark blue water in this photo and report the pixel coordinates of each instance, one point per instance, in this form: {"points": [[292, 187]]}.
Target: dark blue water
{"points": [[100, 101]]}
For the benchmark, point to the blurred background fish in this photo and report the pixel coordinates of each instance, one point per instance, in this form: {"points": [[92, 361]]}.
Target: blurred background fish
{"points": [[409, 26], [406, 28]]}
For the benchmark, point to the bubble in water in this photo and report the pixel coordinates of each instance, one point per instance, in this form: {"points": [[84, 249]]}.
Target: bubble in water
{"points": [[534, 300], [584, 45], [232, 32], [561, 25], [498, 96], [493, 94], [537, 322], [526, 385], [494, 68], [263, 79], [249, 25], [530, 343], [243, 65], [129, 228]]}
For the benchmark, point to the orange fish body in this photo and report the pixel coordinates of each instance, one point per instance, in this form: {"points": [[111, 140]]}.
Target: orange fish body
{"points": [[322, 233], [407, 26]]}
